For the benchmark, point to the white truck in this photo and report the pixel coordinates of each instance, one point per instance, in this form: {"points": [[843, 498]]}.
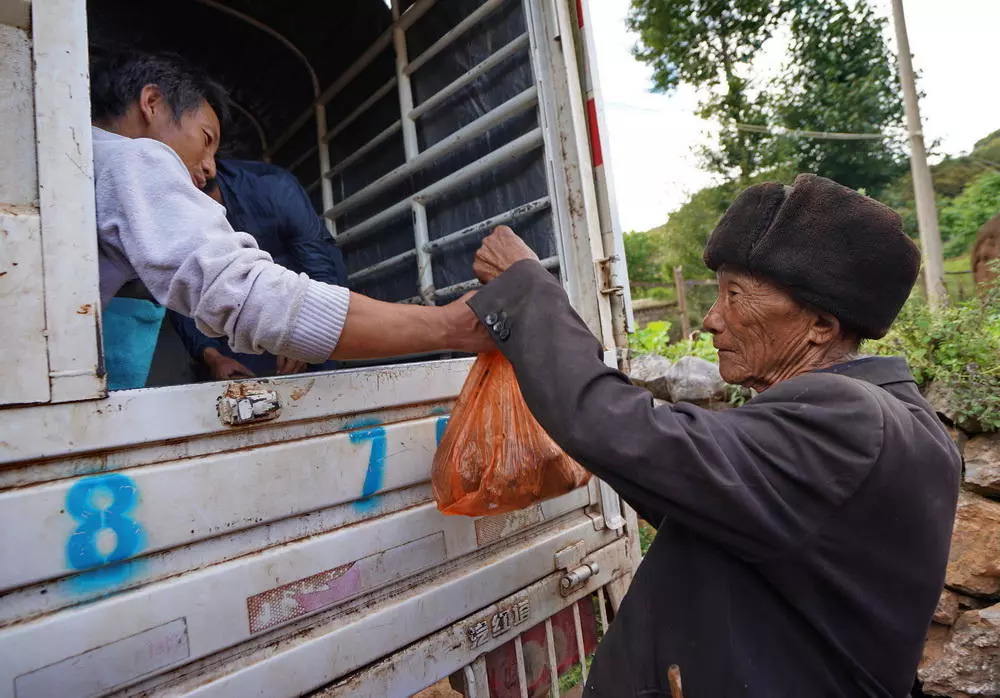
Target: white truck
{"points": [[278, 538]]}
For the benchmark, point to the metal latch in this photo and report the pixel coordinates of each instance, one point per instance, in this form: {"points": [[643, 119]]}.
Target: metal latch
{"points": [[577, 576], [248, 402], [570, 560]]}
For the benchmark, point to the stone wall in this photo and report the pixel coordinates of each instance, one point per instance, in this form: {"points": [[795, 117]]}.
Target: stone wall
{"points": [[962, 655], [647, 310]]}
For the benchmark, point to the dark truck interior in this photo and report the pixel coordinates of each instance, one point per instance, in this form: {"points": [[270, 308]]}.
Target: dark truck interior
{"points": [[478, 159]]}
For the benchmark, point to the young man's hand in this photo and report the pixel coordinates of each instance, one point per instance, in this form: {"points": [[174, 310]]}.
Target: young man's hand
{"points": [[499, 251], [286, 366], [467, 333], [224, 368]]}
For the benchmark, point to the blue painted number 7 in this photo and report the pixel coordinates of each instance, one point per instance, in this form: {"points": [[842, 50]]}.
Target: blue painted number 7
{"points": [[376, 458]]}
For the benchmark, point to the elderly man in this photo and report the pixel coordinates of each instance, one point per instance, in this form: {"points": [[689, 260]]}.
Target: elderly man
{"points": [[802, 538]]}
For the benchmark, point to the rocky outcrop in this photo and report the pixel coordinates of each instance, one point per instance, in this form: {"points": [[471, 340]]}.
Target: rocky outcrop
{"points": [[961, 657], [940, 397], [974, 562], [691, 379], [964, 660], [652, 372], [982, 465], [947, 610], [697, 381]]}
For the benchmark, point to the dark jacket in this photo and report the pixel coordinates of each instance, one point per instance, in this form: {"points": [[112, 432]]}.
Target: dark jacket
{"points": [[270, 204], [803, 537]]}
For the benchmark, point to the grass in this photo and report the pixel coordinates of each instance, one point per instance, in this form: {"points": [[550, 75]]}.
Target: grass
{"points": [[574, 676], [646, 535], [959, 286]]}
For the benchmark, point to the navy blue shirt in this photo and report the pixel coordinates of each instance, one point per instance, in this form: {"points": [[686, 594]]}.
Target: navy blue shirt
{"points": [[270, 204]]}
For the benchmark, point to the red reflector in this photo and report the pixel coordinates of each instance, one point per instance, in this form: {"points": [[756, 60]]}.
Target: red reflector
{"points": [[595, 136]]}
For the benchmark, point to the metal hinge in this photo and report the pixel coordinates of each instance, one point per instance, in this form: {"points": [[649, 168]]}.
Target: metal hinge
{"points": [[604, 276]]}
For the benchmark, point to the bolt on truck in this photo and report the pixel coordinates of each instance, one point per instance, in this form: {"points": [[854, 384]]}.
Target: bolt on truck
{"points": [[278, 537]]}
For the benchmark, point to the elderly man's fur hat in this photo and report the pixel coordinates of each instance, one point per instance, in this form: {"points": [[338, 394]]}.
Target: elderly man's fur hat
{"points": [[828, 245]]}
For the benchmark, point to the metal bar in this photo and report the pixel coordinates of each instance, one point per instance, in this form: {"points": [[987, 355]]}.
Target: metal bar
{"points": [[384, 135], [476, 679], [385, 265], [470, 682], [441, 149], [487, 224], [465, 286], [515, 148], [449, 90], [522, 675], [270, 31], [324, 165], [312, 187], [294, 165], [550, 645], [425, 272], [602, 606], [449, 38], [411, 149], [556, 187], [415, 12], [581, 651], [361, 109], [261, 136], [318, 109]]}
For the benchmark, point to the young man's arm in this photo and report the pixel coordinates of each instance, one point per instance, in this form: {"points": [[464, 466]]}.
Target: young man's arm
{"points": [[181, 246]]}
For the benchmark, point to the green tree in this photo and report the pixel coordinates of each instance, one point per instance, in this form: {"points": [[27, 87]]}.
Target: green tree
{"points": [[687, 229], [841, 77], [961, 218], [711, 44], [644, 256]]}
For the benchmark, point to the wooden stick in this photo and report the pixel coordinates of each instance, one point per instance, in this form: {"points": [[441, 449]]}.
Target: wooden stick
{"points": [[682, 305], [674, 679]]}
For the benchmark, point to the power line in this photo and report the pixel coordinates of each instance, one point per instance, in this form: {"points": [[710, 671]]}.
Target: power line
{"points": [[796, 133]]}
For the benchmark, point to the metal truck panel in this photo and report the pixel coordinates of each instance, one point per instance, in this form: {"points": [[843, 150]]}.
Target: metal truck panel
{"points": [[274, 537]]}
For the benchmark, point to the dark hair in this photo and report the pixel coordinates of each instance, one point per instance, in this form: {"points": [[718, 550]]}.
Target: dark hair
{"points": [[116, 81]]}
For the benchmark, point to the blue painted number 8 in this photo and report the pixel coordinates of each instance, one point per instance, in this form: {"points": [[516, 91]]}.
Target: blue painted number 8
{"points": [[100, 503]]}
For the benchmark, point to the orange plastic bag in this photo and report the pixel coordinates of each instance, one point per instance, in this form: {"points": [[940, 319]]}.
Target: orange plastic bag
{"points": [[494, 457]]}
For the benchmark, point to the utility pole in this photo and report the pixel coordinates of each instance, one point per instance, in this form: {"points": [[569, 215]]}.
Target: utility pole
{"points": [[923, 188]]}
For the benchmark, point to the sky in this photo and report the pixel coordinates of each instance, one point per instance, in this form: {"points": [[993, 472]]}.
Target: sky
{"points": [[651, 136]]}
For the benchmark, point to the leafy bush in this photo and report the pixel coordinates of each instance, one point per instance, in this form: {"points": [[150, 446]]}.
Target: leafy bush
{"points": [[962, 217], [651, 339], [958, 346], [701, 347], [654, 338]]}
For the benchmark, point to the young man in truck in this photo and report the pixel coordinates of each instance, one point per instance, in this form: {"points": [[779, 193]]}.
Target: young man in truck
{"points": [[156, 130], [269, 203]]}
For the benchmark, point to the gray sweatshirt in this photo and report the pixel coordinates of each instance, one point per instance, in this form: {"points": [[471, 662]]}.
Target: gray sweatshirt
{"points": [[154, 225]]}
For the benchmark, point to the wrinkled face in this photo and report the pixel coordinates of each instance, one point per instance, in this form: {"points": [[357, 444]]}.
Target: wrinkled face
{"points": [[761, 332], [194, 136]]}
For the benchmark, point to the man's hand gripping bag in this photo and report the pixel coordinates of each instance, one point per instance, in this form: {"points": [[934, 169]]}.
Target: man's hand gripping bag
{"points": [[494, 457]]}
